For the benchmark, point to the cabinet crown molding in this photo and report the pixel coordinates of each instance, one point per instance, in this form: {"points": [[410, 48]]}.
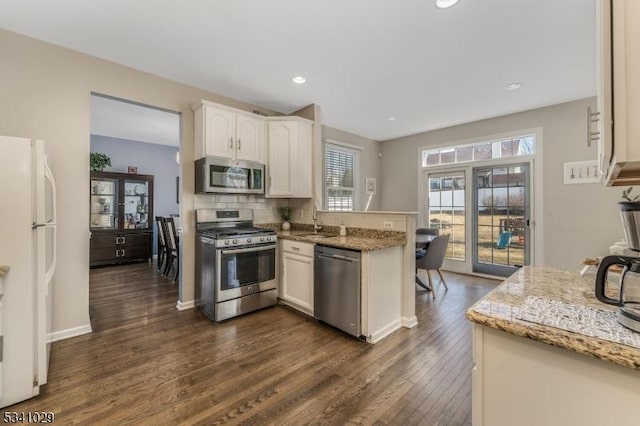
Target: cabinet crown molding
{"points": [[203, 102]]}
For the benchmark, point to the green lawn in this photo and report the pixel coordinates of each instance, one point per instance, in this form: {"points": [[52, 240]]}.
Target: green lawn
{"points": [[489, 228]]}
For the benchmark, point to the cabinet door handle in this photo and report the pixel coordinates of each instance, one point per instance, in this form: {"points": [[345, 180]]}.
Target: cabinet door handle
{"points": [[231, 142], [122, 252], [295, 248], [592, 118], [123, 240], [117, 253], [238, 143]]}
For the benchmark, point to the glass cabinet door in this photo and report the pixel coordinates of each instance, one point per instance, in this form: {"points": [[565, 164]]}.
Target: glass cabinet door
{"points": [[104, 204], [136, 204]]}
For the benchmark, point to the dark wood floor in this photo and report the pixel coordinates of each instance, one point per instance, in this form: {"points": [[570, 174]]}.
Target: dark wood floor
{"points": [[147, 363]]}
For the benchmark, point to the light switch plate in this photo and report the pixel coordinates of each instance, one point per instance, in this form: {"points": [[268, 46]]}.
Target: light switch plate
{"points": [[388, 225]]}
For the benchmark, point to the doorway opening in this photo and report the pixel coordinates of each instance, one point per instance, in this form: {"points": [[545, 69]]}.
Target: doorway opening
{"points": [[140, 145]]}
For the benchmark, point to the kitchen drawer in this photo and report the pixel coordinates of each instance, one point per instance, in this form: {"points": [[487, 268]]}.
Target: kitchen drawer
{"points": [[103, 242], [304, 249], [136, 240]]}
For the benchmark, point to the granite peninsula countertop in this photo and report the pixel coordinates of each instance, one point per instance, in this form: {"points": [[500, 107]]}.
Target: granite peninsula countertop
{"points": [[501, 308], [356, 239]]}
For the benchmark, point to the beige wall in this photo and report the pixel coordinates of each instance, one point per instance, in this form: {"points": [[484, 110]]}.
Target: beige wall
{"points": [[45, 94], [579, 220]]}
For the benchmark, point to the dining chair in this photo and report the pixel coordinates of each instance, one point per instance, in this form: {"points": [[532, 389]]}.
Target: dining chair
{"points": [[433, 259], [160, 244], [171, 239], [428, 231], [425, 231]]}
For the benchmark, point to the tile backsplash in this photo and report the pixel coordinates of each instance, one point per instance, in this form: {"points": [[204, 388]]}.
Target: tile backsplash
{"points": [[265, 210]]}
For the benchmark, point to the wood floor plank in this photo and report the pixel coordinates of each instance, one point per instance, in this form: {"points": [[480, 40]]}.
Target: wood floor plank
{"points": [[148, 363]]}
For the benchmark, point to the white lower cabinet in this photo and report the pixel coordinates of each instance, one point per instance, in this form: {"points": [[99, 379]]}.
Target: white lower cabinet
{"points": [[296, 279], [519, 381]]}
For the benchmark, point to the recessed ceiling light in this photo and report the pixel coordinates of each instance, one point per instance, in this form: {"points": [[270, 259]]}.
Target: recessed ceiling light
{"points": [[514, 86], [299, 79], [444, 4], [391, 119]]}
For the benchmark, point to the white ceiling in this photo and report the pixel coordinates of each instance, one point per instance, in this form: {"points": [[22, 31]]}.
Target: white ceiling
{"points": [[124, 120], [364, 60]]}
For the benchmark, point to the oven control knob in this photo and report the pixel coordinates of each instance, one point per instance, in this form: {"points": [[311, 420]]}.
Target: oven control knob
{"points": [[248, 240], [226, 243], [268, 238], [261, 238], [235, 241]]}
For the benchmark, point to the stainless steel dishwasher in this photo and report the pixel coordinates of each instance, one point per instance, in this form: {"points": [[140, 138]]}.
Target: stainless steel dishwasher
{"points": [[336, 291]]}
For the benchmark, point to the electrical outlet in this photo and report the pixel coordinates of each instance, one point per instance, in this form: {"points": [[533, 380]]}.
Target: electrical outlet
{"points": [[388, 225]]}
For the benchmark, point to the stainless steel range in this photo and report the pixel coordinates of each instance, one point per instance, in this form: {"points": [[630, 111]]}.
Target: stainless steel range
{"points": [[235, 264]]}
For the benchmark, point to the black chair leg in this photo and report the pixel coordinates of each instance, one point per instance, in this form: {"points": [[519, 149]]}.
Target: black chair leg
{"points": [[175, 276], [167, 267], [161, 257]]}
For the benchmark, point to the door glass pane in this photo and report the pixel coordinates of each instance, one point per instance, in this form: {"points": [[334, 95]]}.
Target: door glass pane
{"points": [[447, 210], [501, 216], [136, 204], [104, 203]]}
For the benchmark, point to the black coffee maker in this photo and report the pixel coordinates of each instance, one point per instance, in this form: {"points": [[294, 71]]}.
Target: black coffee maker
{"points": [[629, 295]]}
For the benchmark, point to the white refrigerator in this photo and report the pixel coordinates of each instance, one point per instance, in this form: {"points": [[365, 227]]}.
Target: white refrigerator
{"points": [[27, 265]]}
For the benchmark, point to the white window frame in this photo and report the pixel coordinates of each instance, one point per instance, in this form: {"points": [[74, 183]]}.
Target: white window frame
{"points": [[357, 187]]}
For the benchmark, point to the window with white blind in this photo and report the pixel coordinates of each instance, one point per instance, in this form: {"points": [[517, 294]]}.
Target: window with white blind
{"points": [[341, 188]]}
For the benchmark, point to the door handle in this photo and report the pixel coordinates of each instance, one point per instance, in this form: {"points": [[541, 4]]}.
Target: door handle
{"points": [[231, 142], [238, 143]]}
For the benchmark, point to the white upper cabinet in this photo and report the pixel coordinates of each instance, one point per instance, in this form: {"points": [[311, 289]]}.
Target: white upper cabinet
{"points": [[225, 132], [289, 157], [249, 138], [619, 91]]}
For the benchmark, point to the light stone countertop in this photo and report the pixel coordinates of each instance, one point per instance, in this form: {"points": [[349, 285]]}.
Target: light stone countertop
{"points": [[501, 307], [363, 241]]}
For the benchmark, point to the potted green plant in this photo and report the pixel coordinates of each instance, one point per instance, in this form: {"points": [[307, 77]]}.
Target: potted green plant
{"points": [[98, 161], [285, 215]]}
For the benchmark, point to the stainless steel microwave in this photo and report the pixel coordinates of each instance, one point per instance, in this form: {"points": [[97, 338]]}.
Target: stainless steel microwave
{"points": [[216, 175]]}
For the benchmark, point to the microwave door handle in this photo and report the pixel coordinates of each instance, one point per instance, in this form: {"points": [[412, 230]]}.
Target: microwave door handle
{"points": [[250, 177]]}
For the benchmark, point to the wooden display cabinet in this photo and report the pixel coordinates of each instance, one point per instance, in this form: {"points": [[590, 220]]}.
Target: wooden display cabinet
{"points": [[121, 218]]}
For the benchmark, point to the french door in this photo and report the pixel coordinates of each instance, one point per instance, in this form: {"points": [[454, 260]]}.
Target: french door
{"points": [[501, 218], [486, 211], [447, 212]]}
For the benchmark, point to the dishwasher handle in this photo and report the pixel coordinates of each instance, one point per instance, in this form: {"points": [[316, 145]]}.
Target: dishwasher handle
{"points": [[339, 257]]}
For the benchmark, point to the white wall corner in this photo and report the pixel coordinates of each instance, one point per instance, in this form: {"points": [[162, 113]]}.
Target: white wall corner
{"points": [[409, 322], [69, 333], [183, 306], [384, 331]]}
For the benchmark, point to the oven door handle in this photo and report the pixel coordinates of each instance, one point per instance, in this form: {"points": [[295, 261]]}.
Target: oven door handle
{"points": [[247, 250]]}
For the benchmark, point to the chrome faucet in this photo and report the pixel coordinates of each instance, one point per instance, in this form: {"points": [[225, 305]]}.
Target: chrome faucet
{"points": [[316, 227]]}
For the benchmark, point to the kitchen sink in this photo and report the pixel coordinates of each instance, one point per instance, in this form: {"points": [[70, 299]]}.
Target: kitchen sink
{"points": [[318, 235]]}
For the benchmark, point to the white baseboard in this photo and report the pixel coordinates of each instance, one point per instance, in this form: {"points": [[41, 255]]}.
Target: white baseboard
{"points": [[385, 331], [409, 322], [68, 333], [181, 306]]}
